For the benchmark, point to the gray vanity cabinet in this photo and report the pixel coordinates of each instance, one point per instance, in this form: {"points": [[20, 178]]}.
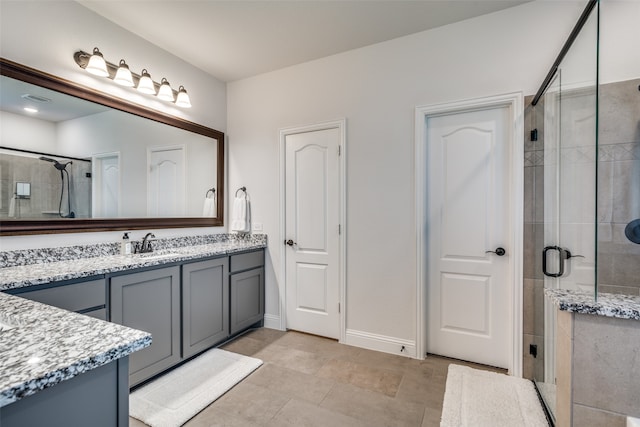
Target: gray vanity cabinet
{"points": [[205, 312], [149, 301], [246, 284]]}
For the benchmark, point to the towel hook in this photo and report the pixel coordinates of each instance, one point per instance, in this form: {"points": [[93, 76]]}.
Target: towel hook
{"points": [[211, 190], [243, 189]]}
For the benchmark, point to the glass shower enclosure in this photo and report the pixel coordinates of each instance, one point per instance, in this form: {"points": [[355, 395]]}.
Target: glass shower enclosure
{"points": [[566, 200]]}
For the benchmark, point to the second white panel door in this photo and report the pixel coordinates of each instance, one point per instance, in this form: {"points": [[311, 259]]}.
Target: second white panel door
{"points": [[312, 221]]}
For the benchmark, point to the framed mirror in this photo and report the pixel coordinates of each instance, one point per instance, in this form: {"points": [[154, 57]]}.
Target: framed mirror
{"points": [[87, 161]]}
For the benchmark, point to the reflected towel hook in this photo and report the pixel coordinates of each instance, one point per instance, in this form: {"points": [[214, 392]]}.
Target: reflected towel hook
{"points": [[211, 190], [243, 189]]}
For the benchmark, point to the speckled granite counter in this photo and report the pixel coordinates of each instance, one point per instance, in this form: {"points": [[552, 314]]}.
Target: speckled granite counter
{"points": [[49, 345], [101, 260], [608, 305]]}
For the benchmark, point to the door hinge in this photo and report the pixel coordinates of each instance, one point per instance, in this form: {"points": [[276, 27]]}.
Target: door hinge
{"points": [[339, 150], [339, 228], [338, 307]]}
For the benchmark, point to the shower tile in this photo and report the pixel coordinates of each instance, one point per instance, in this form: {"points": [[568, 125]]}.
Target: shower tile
{"points": [[528, 297], [528, 362], [621, 290], [585, 416], [606, 368], [538, 198], [626, 270], [619, 112], [626, 191], [564, 351]]}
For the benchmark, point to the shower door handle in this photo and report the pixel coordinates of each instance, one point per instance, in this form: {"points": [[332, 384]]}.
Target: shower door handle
{"points": [[562, 256]]}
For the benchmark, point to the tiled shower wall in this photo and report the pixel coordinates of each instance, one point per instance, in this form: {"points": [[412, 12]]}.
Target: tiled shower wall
{"points": [[533, 326], [618, 204], [45, 188], [618, 186]]}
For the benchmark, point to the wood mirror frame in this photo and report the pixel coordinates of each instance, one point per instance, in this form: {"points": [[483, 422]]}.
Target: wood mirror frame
{"points": [[19, 227]]}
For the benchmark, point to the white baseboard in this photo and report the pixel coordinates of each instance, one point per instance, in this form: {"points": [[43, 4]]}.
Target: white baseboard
{"points": [[272, 321], [381, 343]]}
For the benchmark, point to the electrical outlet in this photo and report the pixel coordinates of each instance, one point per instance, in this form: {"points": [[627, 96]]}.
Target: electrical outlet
{"points": [[256, 226]]}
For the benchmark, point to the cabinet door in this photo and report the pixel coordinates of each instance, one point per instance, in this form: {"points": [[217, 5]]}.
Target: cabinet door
{"points": [[149, 301], [205, 312], [247, 299]]}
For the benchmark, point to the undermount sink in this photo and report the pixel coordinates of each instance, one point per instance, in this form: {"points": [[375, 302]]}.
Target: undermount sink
{"points": [[154, 255]]}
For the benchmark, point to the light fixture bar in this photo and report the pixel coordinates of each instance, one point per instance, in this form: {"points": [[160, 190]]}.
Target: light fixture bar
{"points": [[82, 59]]}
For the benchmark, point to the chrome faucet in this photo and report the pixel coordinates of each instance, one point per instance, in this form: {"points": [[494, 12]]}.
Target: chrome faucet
{"points": [[144, 246]]}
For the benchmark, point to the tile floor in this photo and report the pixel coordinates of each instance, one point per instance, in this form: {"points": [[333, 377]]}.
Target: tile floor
{"points": [[312, 381]]}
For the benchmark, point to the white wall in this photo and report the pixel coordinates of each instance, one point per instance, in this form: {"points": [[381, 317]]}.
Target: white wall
{"points": [[27, 133], [45, 34], [376, 89]]}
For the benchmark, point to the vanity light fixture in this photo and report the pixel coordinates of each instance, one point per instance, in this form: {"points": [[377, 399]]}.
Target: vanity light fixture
{"points": [[165, 93], [97, 65], [183, 98], [145, 84], [123, 75], [120, 74]]}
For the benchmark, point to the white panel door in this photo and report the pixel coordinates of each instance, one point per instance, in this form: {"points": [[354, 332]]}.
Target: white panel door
{"points": [[166, 186], [312, 219], [468, 215], [106, 185]]}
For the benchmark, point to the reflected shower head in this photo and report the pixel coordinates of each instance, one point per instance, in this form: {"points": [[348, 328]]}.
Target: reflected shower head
{"points": [[56, 164]]}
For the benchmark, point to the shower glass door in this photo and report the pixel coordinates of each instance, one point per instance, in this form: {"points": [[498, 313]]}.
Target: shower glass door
{"points": [[570, 176]]}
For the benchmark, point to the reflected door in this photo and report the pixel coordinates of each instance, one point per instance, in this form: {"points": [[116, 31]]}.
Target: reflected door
{"points": [[166, 185]]}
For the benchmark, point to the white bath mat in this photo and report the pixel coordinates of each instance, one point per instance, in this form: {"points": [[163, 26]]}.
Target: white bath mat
{"points": [[174, 398], [477, 398]]}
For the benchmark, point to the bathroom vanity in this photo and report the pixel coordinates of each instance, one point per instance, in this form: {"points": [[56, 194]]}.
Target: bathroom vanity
{"points": [[189, 295]]}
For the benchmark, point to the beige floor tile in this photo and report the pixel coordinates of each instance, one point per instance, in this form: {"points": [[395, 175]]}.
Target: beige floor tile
{"points": [[372, 407], [291, 383], [299, 413], [246, 401], [291, 358], [431, 417], [318, 345], [245, 345], [265, 334], [389, 361], [363, 376]]}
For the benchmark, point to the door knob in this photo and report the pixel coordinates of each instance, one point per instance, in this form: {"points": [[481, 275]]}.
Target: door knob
{"points": [[498, 251], [289, 242]]}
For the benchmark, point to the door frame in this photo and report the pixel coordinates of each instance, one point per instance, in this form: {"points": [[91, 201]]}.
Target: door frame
{"points": [[515, 103], [341, 125]]}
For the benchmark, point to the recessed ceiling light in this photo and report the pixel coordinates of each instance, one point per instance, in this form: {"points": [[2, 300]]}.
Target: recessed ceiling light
{"points": [[30, 110]]}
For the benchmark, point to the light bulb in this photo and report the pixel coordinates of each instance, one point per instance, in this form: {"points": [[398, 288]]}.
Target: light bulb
{"points": [[165, 92], [97, 65], [123, 75], [183, 98], [145, 85]]}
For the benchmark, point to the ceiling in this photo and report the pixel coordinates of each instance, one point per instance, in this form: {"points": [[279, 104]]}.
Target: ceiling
{"points": [[52, 106], [232, 40]]}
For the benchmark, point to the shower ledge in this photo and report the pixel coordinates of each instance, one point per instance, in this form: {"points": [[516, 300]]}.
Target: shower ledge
{"points": [[608, 305]]}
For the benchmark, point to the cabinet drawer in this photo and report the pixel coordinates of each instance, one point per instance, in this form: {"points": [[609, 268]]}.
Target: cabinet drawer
{"points": [[76, 297], [247, 261]]}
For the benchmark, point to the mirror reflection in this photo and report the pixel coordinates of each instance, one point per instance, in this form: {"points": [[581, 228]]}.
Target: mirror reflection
{"points": [[70, 158]]}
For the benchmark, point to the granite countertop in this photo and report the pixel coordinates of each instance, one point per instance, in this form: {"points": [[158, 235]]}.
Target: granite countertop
{"points": [[608, 305], [35, 274], [48, 345]]}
